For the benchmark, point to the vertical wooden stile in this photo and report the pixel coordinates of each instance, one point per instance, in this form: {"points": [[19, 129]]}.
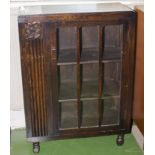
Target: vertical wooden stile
{"points": [[54, 78], [79, 47], [101, 72]]}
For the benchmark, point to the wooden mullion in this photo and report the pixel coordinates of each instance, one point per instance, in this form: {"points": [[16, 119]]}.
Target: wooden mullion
{"points": [[79, 45], [100, 82]]}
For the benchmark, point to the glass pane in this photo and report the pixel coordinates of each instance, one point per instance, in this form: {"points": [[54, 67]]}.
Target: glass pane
{"points": [[113, 41], [67, 81], [89, 80], [67, 44], [89, 113], [111, 111], [90, 43], [112, 77], [68, 118]]}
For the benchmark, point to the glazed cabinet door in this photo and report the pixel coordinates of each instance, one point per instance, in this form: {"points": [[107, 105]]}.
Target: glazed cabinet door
{"points": [[37, 71], [94, 66]]}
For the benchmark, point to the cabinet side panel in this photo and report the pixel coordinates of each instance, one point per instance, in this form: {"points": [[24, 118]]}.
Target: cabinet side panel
{"points": [[138, 114], [128, 56], [25, 71], [34, 78], [132, 54]]}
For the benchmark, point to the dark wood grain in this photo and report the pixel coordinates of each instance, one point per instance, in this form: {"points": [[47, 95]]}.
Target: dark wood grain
{"points": [[33, 65], [79, 47], [54, 79], [100, 85], [78, 73]]}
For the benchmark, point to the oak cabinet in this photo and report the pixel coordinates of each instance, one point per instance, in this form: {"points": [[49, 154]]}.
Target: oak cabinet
{"points": [[77, 70]]}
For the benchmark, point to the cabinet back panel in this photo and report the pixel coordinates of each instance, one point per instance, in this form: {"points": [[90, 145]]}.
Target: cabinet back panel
{"points": [[89, 79], [67, 37], [111, 111], [68, 115], [67, 81], [89, 113], [111, 79], [113, 35]]}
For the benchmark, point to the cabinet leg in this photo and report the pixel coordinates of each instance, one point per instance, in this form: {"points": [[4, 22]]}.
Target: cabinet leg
{"points": [[120, 139], [36, 147]]}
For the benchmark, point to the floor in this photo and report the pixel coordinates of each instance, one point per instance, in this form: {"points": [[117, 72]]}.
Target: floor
{"points": [[104, 145]]}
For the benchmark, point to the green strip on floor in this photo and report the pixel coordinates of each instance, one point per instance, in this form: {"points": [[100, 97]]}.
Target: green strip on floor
{"points": [[103, 145]]}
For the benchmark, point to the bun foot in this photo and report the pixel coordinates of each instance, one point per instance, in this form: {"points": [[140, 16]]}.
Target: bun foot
{"points": [[120, 140], [36, 147]]}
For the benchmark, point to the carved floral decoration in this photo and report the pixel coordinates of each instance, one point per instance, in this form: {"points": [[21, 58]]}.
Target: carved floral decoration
{"points": [[33, 30]]}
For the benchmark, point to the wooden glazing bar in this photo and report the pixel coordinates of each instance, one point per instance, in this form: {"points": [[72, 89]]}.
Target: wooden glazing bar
{"points": [[57, 44], [59, 81], [89, 98], [58, 66], [101, 72], [79, 46]]}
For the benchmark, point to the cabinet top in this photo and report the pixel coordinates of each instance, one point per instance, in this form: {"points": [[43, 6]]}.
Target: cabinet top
{"points": [[73, 8]]}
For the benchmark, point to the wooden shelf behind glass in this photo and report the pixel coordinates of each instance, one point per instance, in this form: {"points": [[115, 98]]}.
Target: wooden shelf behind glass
{"points": [[67, 90], [68, 56], [89, 113]]}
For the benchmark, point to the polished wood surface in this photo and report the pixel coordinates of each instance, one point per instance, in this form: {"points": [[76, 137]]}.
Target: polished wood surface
{"points": [[139, 72]]}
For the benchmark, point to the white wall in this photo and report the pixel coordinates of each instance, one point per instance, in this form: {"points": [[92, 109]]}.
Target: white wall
{"points": [[16, 94], [17, 3]]}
